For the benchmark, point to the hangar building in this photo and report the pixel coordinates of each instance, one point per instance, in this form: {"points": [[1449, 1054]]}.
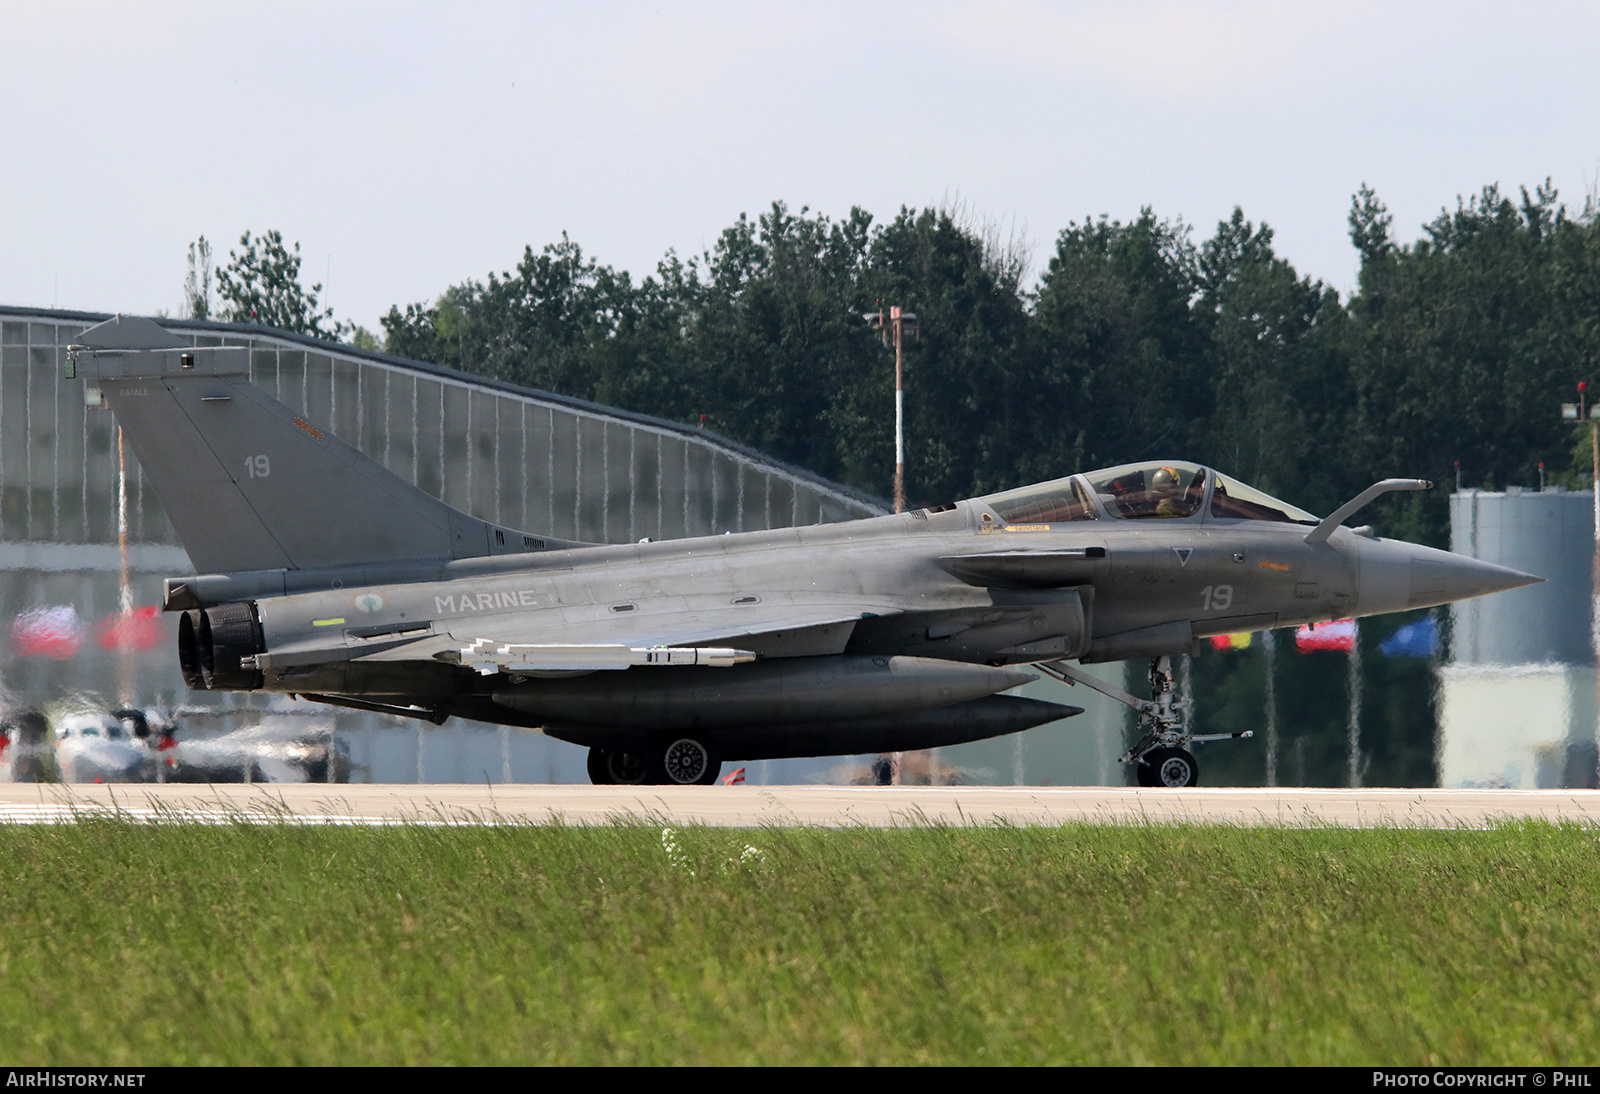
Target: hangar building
{"points": [[521, 458], [527, 459]]}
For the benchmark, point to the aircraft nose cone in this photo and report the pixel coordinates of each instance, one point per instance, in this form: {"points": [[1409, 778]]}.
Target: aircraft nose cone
{"points": [[1439, 577], [1396, 575]]}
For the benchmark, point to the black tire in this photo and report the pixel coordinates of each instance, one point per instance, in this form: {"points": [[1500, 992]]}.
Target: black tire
{"points": [[626, 769], [685, 761], [599, 774], [1169, 767]]}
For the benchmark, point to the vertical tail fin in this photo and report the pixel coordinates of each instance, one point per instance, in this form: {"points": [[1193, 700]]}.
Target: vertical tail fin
{"points": [[247, 483]]}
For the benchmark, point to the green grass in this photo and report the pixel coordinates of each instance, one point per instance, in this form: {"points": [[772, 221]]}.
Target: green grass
{"points": [[129, 944]]}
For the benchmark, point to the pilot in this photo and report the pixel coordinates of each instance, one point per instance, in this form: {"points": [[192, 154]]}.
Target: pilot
{"points": [[1167, 493]]}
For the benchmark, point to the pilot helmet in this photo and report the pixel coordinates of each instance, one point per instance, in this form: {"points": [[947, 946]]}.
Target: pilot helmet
{"points": [[1165, 478]]}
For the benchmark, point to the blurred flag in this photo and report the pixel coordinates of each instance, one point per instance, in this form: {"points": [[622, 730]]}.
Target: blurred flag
{"points": [[47, 632], [1240, 641], [140, 629], [732, 777], [1419, 639], [1339, 635]]}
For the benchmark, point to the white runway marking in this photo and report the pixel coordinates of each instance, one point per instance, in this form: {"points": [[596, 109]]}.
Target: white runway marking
{"points": [[757, 806], [61, 813]]}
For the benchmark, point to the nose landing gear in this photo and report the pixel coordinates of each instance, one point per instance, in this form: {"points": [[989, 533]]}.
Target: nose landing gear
{"points": [[1161, 753]]}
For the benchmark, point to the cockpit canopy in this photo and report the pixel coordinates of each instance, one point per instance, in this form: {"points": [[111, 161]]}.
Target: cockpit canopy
{"points": [[1144, 491]]}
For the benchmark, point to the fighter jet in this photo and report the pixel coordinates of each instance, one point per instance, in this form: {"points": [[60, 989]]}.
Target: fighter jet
{"points": [[322, 574]]}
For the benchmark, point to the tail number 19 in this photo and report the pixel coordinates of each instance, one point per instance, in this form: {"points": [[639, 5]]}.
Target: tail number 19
{"points": [[259, 467], [1216, 598]]}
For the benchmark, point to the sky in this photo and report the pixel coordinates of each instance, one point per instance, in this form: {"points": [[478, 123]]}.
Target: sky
{"points": [[407, 147]]}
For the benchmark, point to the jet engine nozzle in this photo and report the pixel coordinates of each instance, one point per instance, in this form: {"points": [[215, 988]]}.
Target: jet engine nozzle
{"points": [[213, 643]]}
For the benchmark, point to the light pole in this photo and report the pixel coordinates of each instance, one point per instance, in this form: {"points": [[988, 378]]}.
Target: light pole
{"points": [[1577, 412], [895, 324]]}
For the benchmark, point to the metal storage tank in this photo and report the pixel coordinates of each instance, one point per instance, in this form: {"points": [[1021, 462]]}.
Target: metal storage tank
{"points": [[1517, 698], [1549, 533]]}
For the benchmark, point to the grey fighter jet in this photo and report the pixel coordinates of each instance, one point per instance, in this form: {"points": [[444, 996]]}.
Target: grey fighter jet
{"points": [[321, 573]]}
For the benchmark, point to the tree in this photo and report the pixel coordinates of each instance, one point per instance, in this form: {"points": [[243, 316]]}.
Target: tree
{"points": [[545, 325], [197, 285], [1278, 369], [1466, 342], [775, 347], [976, 417], [262, 285], [1123, 358]]}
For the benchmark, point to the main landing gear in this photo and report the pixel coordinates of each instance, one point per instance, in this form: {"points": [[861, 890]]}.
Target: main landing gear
{"points": [[670, 761], [1162, 753]]}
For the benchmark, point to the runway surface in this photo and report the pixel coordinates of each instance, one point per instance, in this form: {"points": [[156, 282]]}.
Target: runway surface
{"points": [[755, 806]]}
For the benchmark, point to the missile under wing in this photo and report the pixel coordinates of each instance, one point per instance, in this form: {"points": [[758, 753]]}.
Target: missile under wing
{"points": [[321, 573]]}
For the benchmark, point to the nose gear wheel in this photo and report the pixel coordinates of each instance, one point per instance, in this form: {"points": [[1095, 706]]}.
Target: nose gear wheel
{"points": [[1168, 767], [1160, 756]]}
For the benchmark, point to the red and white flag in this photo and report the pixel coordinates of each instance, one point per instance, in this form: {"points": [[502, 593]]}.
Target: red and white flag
{"points": [[1339, 635], [48, 632], [732, 777], [139, 629]]}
